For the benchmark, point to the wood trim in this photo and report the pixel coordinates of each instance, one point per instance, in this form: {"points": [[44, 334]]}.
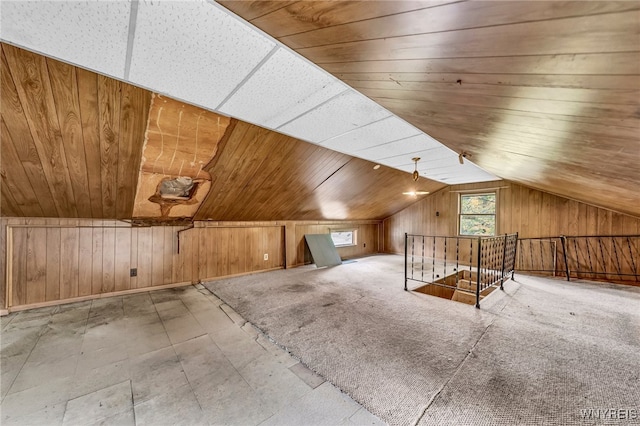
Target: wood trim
{"points": [[9, 267], [98, 296]]}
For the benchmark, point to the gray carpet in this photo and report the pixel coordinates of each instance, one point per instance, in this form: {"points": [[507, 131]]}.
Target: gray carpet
{"points": [[538, 353]]}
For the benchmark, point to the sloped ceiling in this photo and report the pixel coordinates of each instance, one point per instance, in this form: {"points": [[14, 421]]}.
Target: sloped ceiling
{"points": [[541, 93], [71, 139], [544, 93], [76, 144]]}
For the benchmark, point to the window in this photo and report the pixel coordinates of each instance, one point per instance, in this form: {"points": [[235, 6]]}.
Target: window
{"points": [[344, 238], [478, 214]]}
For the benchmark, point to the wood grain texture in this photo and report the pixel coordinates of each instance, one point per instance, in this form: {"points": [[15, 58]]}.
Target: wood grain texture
{"points": [[32, 82], [180, 141], [134, 110], [544, 94], [521, 209], [263, 175], [73, 139], [366, 236], [61, 259]]}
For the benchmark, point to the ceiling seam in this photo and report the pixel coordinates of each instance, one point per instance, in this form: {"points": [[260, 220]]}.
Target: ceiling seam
{"points": [[392, 141], [360, 127], [479, 27], [347, 89], [331, 175], [133, 18], [248, 76]]}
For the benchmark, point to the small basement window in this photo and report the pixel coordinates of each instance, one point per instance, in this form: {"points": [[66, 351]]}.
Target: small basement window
{"points": [[344, 238], [478, 214]]}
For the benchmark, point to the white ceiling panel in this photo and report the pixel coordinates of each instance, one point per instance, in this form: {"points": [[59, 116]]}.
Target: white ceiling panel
{"points": [[193, 51], [283, 88], [92, 34], [440, 153], [402, 147], [340, 115], [450, 172], [199, 52], [378, 133]]}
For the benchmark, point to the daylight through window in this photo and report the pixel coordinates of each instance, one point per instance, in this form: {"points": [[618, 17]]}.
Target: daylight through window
{"points": [[478, 214], [343, 238]]}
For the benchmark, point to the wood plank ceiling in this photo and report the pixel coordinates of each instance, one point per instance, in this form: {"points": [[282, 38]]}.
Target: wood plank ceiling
{"points": [[73, 144], [545, 93], [71, 139], [263, 175]]}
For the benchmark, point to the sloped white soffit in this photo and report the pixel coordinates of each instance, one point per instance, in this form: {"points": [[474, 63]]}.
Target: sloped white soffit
{"points": [[199, 52]]}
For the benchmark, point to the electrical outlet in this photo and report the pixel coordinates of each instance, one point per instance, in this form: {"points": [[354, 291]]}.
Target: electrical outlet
{"points": [[266, 256], [133, 272]]}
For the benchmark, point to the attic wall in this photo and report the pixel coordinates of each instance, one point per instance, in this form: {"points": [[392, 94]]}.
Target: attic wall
{"points": [[52, 261], [529, 212], [366, 241]]}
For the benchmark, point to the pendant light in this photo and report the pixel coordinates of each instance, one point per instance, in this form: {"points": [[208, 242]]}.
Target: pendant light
{"points": [[416, 175]]}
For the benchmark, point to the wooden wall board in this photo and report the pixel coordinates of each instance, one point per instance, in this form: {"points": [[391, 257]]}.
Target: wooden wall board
{"points": [[287, 179], [375, 24], [517, 84], [77, 135], [62, 259], [521, 209]]}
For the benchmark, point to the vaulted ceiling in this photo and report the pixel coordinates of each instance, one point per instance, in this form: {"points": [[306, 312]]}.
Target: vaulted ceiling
{"points": [[543, 93], [78, 144], [546, 94]]}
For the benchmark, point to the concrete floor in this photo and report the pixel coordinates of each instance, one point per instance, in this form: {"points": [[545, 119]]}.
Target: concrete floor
{"points": [[161, 358]]}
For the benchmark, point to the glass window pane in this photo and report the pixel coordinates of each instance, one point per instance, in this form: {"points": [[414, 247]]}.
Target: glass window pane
{"points": [[478, 204], [477, 225], [342, 238]]}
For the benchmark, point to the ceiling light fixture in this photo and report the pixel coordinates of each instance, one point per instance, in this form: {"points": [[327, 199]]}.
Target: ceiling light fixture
{"points": [[415, 193], [416, 175], [463, 155]]}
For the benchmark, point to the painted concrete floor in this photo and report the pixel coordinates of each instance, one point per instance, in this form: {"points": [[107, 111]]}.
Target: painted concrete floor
{"points": [[167, 357]]}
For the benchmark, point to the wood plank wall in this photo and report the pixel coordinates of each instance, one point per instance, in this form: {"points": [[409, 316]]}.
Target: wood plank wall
{"points": [[60, 259], [366, 241], [212, 250], [529, 212], [56, 260]]}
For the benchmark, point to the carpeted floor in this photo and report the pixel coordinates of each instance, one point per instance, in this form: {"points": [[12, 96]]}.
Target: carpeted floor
{"points": [[538, 353]]}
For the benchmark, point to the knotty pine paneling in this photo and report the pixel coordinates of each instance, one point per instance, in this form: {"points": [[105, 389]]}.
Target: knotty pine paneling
{"points": [[522, 86], [71, 139], [529, 212]]}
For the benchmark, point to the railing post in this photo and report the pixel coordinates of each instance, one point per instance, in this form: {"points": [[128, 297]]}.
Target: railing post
{"points": [[504, 258], [478, 273], [515, 256], [406, 238], [563, 239]]}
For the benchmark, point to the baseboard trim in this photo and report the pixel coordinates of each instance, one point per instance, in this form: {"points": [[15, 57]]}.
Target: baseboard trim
{"points": [[93, 296]]}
